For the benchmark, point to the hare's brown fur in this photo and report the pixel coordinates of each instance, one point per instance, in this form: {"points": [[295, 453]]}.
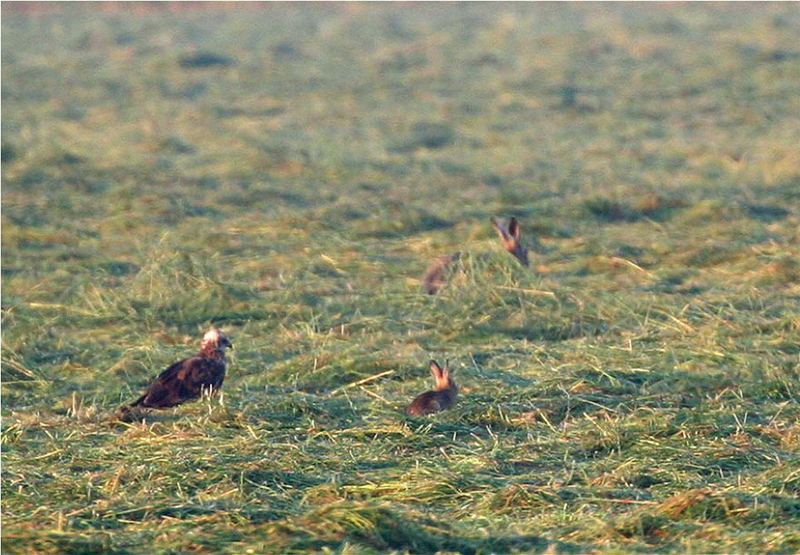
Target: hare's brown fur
{"points": [[441, 397], [435, 275], [510, 236]]}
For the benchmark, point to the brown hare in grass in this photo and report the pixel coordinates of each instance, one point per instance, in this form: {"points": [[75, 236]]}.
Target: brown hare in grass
{"points": [[441, 397], [437, 273], [186, 379], [510, 236]]}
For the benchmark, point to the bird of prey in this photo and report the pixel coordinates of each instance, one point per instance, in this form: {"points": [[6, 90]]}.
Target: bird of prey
{"points": [[187, 379]]}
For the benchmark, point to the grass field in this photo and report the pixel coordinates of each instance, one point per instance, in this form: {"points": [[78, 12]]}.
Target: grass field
{"points": [[287, 172]]}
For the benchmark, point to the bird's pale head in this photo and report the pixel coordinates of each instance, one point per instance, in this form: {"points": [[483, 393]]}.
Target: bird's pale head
{"points": [[214, 343]]}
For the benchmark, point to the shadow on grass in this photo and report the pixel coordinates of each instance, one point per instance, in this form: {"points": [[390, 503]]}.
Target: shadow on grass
{"points": [[424, 135], [279, 479], [59, 543], [384, 528], [544, 332], [401, 224], [766, 213], [653, 207], [142, 417], [204, 60], [690, 388]]}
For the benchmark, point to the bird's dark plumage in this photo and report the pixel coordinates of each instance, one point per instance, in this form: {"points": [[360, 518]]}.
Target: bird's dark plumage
{"points": [[187, 379], [183, 381]]}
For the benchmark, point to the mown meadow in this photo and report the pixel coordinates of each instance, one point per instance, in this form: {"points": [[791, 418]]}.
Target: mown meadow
{"points": [[288, 171]]}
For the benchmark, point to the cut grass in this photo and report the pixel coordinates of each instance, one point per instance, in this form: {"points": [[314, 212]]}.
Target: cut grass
{"points": [[288, 172]]}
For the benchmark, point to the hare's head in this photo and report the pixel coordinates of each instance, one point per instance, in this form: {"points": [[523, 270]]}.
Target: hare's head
{"points": [[442, 376], [510, 235]]}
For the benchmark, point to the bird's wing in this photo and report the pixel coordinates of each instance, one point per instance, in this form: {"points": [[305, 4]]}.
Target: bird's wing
{"points": [[163, 391], [172, 372], [205, 372], [183, 381]]}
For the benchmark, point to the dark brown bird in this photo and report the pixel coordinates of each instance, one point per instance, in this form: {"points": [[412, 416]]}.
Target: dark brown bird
{"points": [[441, 397], [187, 379], [511, 239]]}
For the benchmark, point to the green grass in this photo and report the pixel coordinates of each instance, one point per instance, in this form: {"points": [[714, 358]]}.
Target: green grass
{"points": [[287, 172]]}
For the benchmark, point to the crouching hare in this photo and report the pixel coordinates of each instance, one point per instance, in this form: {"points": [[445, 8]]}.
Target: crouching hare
{"points": [[441, 397]]}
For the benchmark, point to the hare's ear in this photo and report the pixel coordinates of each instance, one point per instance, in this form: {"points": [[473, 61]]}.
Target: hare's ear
{"points": [[501, 230], [436, 371], [446, 371], [513, 228]]}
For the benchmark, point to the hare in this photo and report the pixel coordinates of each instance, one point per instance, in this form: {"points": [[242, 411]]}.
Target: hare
{"points": [[441, 397], [436, 274], [510, 236], [186, 379], [435, 277]]}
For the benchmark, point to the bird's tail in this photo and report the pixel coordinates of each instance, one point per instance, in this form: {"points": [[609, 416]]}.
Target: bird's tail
{"points": [[125, 412], [138, 402]]}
